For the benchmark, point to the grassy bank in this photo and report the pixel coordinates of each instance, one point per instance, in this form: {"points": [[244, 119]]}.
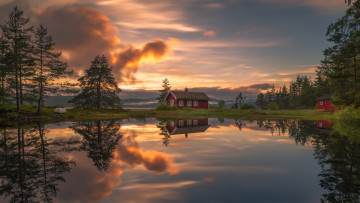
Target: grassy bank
{"points": [[29, 114], [87, 114]]}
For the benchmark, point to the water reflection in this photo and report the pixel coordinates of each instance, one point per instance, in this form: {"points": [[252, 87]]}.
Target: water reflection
{"points": [[129, 161], [181, 126], [31, 164], [99, 140]]}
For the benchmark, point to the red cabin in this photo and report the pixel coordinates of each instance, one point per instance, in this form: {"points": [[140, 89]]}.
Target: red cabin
{"points": [[324, 103], [180, 99]]}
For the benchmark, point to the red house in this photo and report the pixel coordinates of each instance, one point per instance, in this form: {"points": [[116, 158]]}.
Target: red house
{"points": [[180, 99], [324, 103]]}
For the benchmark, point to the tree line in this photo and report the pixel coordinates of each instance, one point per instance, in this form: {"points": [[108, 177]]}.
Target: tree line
{"points": [[338, 73], [29, 65]]}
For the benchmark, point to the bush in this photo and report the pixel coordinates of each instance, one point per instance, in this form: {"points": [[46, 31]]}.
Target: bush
{"points": [[247, 106], [349, 114], [221, 104], [272, 106], [164, 107]]}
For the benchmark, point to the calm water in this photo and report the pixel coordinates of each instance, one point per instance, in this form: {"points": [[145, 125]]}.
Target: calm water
{"points": [[201, 160]]}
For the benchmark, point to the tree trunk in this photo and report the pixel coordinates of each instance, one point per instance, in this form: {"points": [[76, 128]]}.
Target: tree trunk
{"points": [[16, 78], [40, 83], [21, 86]]}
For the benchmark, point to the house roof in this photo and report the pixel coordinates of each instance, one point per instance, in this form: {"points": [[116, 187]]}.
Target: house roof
{"points": [[190, 95], [324, 97], [192, 129]]}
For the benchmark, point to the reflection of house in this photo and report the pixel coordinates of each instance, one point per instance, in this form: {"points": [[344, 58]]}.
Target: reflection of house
{"points": [[324, 126], [182, 126], [180, 99], [324, 103]]}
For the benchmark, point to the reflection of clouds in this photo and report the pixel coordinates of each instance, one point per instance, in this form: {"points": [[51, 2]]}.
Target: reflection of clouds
{"points": [[159, 185], [90, 185]]}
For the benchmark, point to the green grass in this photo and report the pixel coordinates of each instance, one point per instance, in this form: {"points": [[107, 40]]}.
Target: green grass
{"points": [[29, 114]]}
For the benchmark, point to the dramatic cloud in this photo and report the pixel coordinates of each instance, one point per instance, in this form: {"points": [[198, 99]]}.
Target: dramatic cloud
{"points": [[127, 61]]}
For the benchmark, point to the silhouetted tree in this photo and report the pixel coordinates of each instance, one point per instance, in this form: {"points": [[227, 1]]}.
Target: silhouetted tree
{"points": [[16, 32], [98, 87], [48, 64], [164, 92]]}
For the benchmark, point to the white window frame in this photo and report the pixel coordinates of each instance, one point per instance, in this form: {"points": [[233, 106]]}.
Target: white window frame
{"points": [[320, 125], [321, 103], [189, 103], [181, 102], [196, 103], [181, 123], [172, 102], [189, 123], [172, 124], [195, 122]]}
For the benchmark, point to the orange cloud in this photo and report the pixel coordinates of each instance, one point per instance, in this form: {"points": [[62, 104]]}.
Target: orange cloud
{"points": [[209, 33]]}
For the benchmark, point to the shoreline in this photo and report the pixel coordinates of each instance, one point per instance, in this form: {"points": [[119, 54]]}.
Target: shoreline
{"points": [[114, 114]]}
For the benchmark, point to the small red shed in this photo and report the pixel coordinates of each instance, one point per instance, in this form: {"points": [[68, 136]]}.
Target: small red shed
{"points": [[180, 99], [324, 103]]}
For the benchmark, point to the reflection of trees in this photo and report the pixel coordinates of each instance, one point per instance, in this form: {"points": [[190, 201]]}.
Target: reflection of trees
{"points": [[31, 168], [240, 124], [299, 130], [339, 157], [164, 132], [100, 140]]}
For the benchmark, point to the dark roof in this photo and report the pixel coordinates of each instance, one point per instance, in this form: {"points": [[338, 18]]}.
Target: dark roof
{"points": [[192, 129], [324, 97], [190, 95]]}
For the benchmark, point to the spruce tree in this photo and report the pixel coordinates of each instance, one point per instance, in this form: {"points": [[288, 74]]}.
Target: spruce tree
{"points": [[48, 64], [163, 93], [98, 86], [16, 32]]}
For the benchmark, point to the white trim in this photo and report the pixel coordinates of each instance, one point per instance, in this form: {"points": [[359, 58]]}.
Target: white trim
{"points": [[321, 103], [189, 101]]}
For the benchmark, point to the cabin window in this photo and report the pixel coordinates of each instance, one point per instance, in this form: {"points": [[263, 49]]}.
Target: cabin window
{"points": [[195, 102], [195, 122], [189, 122], [181, 123], [181, 102], [320, 125], [171, 102], [172, 124], [189, 103], [321, 102]]}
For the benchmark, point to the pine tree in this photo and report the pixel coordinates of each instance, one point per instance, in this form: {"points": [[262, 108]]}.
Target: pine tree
{"points": [[48, 64], [260, 101], [98, 87], [342, 60], [163, 93], [239, 100], [16, 32], [4, 71]]}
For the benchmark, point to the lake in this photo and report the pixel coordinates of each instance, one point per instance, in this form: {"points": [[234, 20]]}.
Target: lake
{"points": [[199, 160]]}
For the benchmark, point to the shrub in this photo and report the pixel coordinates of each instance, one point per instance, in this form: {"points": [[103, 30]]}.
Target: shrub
{"points": [[272, 106], [164, 107], [247, 106], [221, 104]]}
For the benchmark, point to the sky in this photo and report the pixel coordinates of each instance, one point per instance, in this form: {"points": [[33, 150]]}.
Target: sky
{"points": [[219, 47]]}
